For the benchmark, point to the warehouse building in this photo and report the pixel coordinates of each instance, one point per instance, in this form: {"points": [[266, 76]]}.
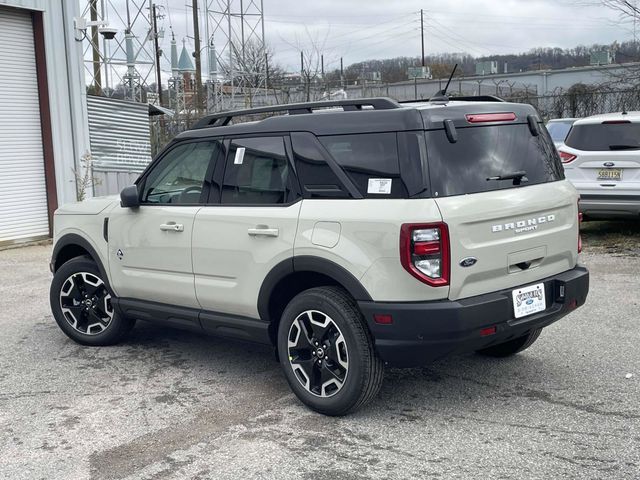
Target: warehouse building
{"points": [[43, 125]]}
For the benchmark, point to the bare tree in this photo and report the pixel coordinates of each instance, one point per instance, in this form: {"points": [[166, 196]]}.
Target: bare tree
{"points": [[312, 48], [253, 68], [625, 7]]}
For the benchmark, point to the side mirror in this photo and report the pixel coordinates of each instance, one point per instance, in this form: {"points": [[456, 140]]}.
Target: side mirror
{"points": [[129, 197]]}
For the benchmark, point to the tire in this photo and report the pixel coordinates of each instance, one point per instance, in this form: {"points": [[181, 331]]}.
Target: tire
{"points": [[343, 372], [511, 347], [81, 305]]}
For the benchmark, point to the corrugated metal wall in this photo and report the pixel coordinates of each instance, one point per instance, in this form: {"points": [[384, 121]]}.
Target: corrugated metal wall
{"points": [[120, 142]]}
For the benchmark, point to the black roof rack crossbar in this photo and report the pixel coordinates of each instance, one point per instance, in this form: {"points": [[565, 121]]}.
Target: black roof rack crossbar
{"points": [[224, 118]]}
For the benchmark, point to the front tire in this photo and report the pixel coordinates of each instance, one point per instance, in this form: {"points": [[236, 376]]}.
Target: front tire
{"points": [[511, 347], [327, 353], [81, 305]]}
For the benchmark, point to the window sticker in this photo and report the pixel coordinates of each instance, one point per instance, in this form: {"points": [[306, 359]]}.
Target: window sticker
{"points": [[379, 186], [239, 158]]}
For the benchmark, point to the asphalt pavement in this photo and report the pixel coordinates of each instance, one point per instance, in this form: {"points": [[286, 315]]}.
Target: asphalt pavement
{"points": [[172, 404]]}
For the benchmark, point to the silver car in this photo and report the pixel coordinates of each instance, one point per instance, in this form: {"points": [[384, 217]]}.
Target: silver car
{"points": [[601, 157]]}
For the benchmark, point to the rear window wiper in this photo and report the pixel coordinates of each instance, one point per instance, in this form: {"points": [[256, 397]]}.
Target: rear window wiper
{"points": [[517, 177], [624, 147]]}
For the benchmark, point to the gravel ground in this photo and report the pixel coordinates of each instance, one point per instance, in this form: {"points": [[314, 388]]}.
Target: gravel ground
{"points": [[170, 404]]}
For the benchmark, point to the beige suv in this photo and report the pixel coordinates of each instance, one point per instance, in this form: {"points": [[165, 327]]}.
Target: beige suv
{"points": [[347, 234]]}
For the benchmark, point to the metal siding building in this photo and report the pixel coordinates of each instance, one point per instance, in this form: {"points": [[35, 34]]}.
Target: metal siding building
{"points": [[43, 125], [120, 147]]}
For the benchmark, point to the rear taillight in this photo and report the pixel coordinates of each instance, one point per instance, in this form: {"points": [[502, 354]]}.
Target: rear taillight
{"points": [[490, 117], [424, 252], [566, 157], [579, 222]]}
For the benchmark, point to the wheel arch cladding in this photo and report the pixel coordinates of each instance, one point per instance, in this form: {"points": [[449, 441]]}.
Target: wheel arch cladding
{"points": [[72, 246], [294, 275]]}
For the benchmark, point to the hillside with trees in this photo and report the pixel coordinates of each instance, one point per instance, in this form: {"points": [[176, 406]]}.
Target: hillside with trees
{"points": [[395, 69]]}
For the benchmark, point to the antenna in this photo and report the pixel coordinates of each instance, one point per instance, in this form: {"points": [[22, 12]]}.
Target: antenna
{"points": [[441, 96], [453, 72]]}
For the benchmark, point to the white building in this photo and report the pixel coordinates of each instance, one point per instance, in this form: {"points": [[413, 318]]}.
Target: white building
{"points": [[43, 124]]}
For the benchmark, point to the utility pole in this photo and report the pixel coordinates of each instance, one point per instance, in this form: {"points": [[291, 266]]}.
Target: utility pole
{"points": [[306, 85], [196, 54], [324, 84], [422, 33], [341, 74], [95, 46], [266, 66], [158, 53]]}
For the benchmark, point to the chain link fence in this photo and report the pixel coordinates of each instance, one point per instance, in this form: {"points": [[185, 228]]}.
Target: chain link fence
{"points": [[572, 104]]}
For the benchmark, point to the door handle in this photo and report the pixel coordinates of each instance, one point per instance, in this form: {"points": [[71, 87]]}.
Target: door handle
{"points": [[263, 231], [172, 227]]}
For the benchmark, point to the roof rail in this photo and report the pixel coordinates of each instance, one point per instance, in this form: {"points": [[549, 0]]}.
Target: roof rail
{"points": [[471, 98], [223, 118]]}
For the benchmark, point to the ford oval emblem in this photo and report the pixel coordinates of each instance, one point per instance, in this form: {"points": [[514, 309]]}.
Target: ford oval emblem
{"points": [[529, 302], [468, 262], [609, 164]]}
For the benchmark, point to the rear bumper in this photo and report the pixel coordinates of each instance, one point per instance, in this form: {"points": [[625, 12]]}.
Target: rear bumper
{"points": [[423, 332], [610, 205]]}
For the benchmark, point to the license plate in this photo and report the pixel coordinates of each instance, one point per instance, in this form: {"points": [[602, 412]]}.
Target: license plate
{"points": [[610, 174], [528, 300]]}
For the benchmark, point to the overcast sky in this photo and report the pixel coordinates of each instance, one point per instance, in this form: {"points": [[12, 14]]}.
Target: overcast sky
{"points": [[365, 29]]}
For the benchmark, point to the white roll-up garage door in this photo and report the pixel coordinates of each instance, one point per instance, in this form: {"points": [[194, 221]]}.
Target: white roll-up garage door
{"points": [[23, 196]]}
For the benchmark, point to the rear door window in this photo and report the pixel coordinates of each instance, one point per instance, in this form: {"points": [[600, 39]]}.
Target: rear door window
{"points": [[257, 172], [483, 152], [605, 137]]}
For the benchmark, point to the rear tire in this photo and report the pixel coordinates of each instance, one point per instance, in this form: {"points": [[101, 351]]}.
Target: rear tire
{"points": [[511, 347], [81, 305], [327, 352]]}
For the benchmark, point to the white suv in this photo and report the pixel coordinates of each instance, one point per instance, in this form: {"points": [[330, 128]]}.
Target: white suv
{"points": [[601, 157], [350, 237]]}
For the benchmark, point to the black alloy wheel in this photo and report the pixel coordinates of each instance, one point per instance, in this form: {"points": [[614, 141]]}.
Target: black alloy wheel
{"points": [[85, 303], [327, 353], [318, 353]]}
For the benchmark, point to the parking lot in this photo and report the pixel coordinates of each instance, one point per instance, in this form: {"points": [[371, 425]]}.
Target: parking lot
{"points": [[171, 404]]}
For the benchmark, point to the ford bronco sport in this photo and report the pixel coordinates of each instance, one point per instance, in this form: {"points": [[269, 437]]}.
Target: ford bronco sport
{"points": [[347, 234]]}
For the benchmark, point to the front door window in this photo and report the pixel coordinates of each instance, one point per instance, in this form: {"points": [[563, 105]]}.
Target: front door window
{"points": [[179, 178]]}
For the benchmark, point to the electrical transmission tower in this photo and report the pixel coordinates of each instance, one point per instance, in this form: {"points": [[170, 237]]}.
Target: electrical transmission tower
{"points": [[236, 54], [128, 61]]}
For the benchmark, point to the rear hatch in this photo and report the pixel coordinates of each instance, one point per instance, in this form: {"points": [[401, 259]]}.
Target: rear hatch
{"points": [[604, 158], [499, 185]]}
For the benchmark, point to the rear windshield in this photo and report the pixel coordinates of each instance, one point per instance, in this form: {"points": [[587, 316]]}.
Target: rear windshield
{"points": [[559, 130], [483, 152], [605, 136]]}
